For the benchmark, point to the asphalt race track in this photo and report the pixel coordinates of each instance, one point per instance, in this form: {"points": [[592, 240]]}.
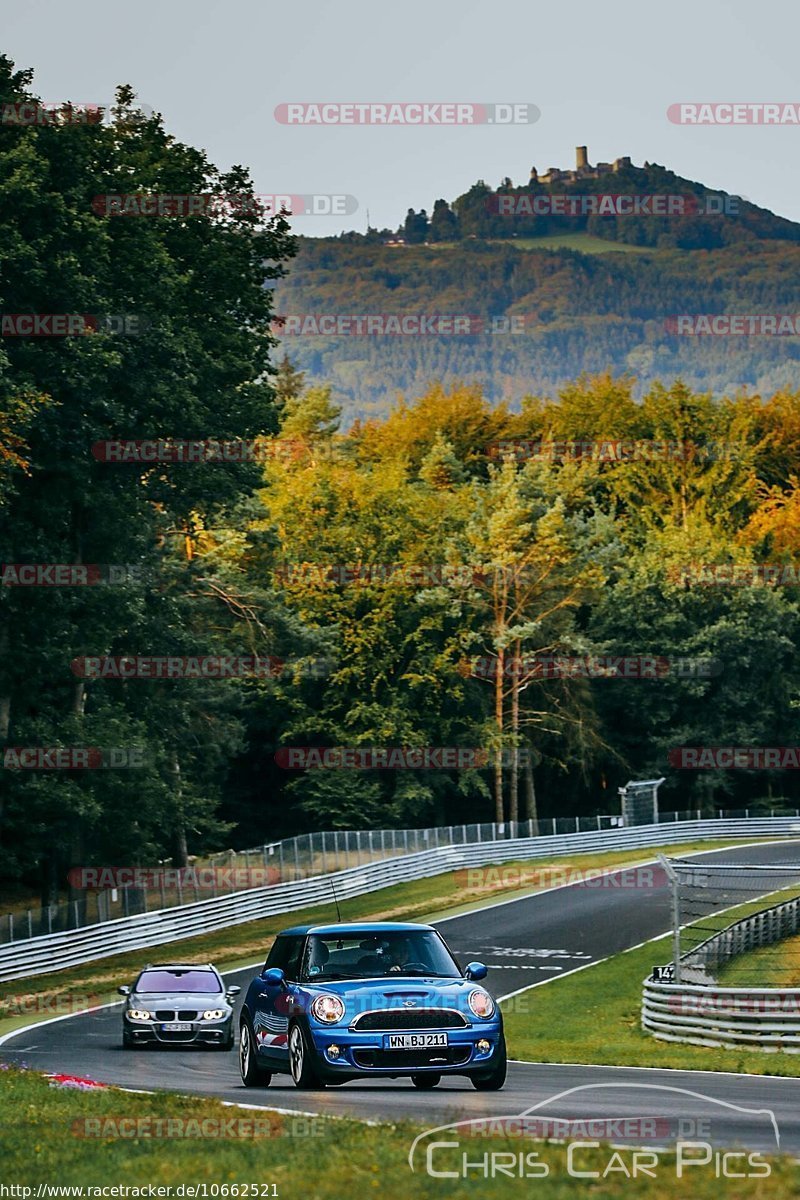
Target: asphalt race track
{"points": [[524, 942]]}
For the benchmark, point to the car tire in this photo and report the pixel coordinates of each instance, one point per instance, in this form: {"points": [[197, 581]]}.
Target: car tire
{"points": [[252, 1074], [492, 1081], [425, 1082], [302, 1066]]}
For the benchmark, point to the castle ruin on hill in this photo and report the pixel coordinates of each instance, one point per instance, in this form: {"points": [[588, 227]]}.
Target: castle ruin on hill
{"points": [[582, 169]]}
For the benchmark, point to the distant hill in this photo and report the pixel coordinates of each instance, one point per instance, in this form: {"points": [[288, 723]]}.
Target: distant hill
{"points": [[558, 292]]}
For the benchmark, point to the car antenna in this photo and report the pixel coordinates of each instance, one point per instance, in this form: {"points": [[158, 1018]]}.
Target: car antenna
{"points": [[336, 902]]}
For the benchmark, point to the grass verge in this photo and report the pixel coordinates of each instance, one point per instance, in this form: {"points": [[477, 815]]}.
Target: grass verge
{"points": [[68, 1137]]}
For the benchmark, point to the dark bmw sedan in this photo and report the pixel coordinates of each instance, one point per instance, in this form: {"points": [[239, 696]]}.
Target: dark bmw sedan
{"points": [[178, 1004]]}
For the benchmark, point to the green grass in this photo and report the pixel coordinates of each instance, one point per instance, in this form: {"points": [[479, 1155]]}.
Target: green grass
{"points": [[775, 966], [584, 242], [600, 1020], [43, 1139], [25, 1001]]}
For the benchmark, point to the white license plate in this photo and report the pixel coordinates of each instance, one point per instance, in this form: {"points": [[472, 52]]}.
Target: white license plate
{"points": [[177, 1027], [414, 1041]]}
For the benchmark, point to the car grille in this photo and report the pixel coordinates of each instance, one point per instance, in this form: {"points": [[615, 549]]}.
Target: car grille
{"points": [[173, 1036], [391, 1019], [436, 1056], [163, 1014]]}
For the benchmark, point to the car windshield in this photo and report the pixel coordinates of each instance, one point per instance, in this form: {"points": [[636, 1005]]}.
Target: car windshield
{"points": [[163, 980], [367, 955]]}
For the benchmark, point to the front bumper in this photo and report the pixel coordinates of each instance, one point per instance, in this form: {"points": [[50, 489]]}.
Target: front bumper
{"points": [[368, 1054], [202, 1033]]}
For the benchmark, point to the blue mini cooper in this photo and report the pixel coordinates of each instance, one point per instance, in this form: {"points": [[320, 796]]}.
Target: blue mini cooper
{"points": [[341, 1002]]}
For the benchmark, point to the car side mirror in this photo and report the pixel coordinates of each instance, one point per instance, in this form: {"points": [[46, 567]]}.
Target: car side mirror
{"points": [[274, 977], [233, 991], [476, 970], [124, 990]]}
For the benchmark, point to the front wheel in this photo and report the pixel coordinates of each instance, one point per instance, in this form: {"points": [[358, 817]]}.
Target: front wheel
{"points": [[425, 1082], [301, 1060], [494, 1079], [252, 1074]]}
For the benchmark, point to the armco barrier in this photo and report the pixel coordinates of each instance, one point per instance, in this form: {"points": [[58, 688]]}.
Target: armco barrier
{"points": [[707, 1015], [38, 955], [735, 1018]]}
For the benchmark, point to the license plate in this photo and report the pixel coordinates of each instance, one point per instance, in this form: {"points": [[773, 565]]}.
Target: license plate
{"points": [[414, 1041], [177, 1027]]}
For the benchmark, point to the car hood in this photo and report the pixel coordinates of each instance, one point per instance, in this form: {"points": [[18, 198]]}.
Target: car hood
{"points": [[421, 991]]}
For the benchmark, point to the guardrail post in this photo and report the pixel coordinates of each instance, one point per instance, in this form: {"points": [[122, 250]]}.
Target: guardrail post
{"points": [[672, 876]]}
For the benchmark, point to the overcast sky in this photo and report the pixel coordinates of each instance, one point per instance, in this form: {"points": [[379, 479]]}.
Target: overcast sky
{"points": [[601, 74]]}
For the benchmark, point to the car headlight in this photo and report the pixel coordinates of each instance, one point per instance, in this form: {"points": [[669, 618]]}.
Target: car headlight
{"points": [[481, 1003], [328, 1009], [213, 1014], [139, 1014]]}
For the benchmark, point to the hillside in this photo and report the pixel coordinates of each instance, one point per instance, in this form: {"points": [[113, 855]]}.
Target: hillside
{"points": [[558, 295]]}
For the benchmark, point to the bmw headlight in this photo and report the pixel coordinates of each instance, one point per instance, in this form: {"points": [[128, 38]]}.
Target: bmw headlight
{"points": [[213, 1014], [328, 1009], [481, 1004], [139, 1014]]}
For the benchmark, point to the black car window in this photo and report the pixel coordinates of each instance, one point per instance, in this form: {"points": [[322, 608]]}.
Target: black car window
{"points": [[279, 954], [292, 968], [285, 953]]}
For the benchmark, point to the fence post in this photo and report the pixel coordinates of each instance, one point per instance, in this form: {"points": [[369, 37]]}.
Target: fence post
{"points": [[672, 876], [10, 927], [405, 840], [49, 918], [30, 924], [75, 902], [577, 825], [554, 825], [324, 855], [280, 860]]}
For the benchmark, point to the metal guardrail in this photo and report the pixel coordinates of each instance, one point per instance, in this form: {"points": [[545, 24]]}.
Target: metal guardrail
{"points": [[734, 1018], [706, 1015], [40, 955], [762, 928]]}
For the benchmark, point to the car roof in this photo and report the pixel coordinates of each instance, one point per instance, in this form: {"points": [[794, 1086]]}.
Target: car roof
{"points": [[355, 926]]}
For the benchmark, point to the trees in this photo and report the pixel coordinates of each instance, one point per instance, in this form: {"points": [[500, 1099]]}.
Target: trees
{"points": [[198, 369]]}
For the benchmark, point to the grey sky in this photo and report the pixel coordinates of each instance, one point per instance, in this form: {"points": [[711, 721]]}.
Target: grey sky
{"points": [[602, 74]]}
